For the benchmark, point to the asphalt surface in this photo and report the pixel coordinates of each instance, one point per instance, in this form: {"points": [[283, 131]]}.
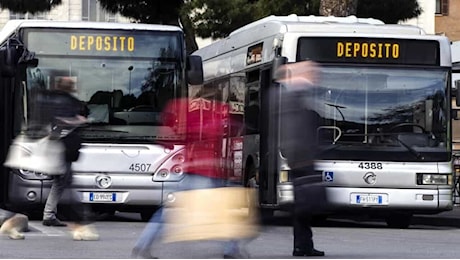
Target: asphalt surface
{"points": [[448, 218]]}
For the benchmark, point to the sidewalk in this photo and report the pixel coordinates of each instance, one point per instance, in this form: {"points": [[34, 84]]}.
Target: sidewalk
{"points": [[447, 218]]}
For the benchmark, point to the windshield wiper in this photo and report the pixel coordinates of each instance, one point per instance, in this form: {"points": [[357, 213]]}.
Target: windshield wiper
{"points": [[104, 130], [410, 149], [404, 144], [165, 143]]}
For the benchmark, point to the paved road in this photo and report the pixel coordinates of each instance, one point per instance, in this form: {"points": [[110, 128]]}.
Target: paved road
{"points": [[340, 238]]}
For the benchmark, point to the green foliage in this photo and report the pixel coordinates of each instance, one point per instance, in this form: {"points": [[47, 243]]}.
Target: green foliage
{"points": [[147, 11], [29, 6], [389, 11], [217, 18]]}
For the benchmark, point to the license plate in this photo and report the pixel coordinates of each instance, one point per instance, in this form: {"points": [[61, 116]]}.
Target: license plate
{"points": [[102, 196], [369, 199]]}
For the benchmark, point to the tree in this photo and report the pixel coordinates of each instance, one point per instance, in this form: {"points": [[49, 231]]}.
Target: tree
{"points": [[29, 6], [155, 12], [389, 11], [338, 7], [217, 19]]}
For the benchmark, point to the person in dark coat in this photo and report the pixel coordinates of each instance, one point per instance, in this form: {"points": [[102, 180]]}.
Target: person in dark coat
{"points": [[299, 140], [65, 113]]}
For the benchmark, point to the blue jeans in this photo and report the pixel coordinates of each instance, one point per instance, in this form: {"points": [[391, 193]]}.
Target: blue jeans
{"points": [[154, 227]]}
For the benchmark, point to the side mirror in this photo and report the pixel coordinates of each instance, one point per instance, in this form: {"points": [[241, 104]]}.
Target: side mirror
{"points": [[194, 70], [277, 62], [8, 61], [457, 96], [455, 114]]}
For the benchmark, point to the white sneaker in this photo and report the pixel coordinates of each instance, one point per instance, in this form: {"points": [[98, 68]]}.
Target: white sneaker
{"points": [[85, 232]]}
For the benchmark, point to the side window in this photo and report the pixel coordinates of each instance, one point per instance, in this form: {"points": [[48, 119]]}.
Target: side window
{"points": [[236, 106], [442, 7], [25, 16], [252, 106], [92, 11]]}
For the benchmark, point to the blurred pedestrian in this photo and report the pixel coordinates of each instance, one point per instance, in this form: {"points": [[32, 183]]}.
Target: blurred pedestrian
{"points": [[13, 224], [203, 146], [65, 113], [299, 141]]}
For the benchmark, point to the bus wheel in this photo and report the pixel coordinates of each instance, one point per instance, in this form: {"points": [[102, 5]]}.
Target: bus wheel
{"points": [[252, 196], [398, 220]]}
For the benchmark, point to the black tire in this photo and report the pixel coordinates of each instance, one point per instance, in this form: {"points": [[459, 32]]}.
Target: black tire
{"points": [[399, 220], [320, 219], [253, 192]]}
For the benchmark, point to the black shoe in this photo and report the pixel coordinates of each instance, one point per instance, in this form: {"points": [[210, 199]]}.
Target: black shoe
{"points": [[313, 252], [53, 222], [136, 253]]}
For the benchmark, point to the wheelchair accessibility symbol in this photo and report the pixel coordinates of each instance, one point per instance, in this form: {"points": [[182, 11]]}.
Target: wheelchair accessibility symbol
{"points": [[328, 176]]}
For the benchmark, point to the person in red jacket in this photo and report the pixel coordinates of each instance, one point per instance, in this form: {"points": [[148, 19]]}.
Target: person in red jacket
{"points": [[201, 123]]}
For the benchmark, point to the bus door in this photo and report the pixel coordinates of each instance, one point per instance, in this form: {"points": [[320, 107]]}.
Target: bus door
{"points": [[269, 140], [8, 94], [234, 127]]}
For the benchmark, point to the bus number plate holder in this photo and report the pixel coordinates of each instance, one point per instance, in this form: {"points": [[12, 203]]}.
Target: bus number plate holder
{"points": [[102, 196], [369, 199]]}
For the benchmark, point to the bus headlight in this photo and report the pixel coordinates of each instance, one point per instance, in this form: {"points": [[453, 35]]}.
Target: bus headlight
{"points": [[432, 179], [284, 176], [172, 169], [31, 175]]}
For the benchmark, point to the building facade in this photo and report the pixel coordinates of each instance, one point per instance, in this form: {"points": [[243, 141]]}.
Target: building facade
{"points": [[426, 20], [446, 18], [69, 10]]}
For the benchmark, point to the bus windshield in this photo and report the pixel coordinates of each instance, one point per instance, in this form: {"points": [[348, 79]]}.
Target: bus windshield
{"points": [[382, 113], [125, 78]]}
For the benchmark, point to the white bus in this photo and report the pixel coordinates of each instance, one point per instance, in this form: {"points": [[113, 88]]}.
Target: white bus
{"points": [[383, 102], [125, 74]]}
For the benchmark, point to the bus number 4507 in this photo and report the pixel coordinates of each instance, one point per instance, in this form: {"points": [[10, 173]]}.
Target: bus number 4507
{"points": [[140, 167]]}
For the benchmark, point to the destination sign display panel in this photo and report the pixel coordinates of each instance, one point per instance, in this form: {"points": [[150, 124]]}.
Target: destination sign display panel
{"points": [[369, 50], [118, 43]]}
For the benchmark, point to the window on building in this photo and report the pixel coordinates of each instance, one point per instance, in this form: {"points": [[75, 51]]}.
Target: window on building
{"points": [[442, 7], [27, 16], [93, 11]]}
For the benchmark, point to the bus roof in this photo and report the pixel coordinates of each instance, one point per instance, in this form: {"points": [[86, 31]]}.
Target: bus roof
{"points": [[14, 25], [309, 19], [314, 25]]}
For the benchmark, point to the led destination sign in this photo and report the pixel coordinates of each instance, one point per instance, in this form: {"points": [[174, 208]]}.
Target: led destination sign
{"points": [[119, 43], [369, 50], [101, 43]]}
